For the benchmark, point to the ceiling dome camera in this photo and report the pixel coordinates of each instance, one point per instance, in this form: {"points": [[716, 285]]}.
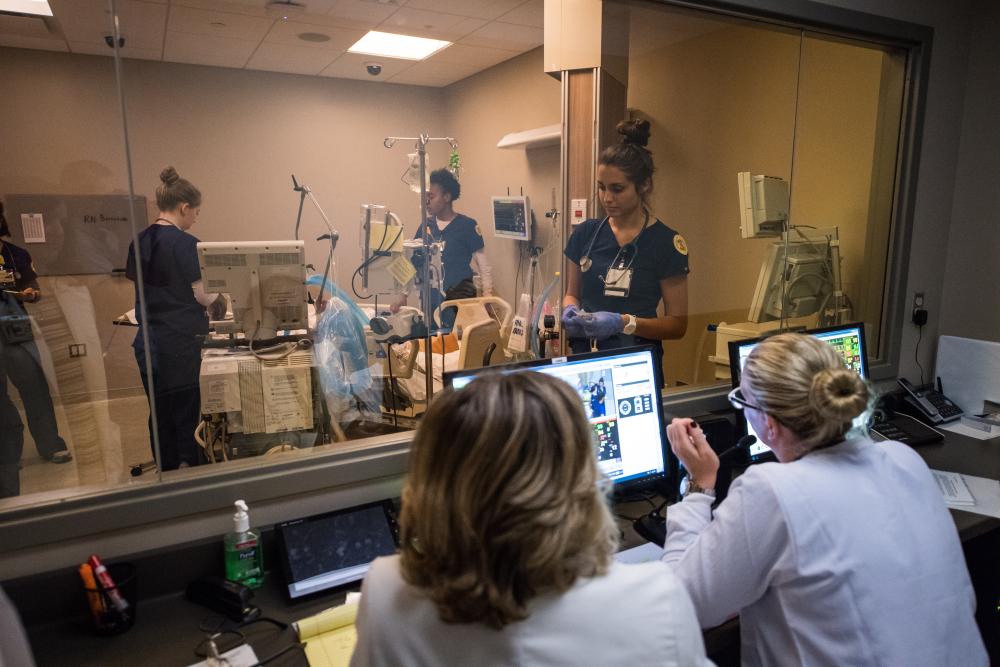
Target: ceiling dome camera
{"points": [[374, 68]]}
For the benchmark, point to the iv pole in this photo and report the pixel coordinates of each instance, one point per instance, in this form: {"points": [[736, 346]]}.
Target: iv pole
{"points": [[425, 293]]}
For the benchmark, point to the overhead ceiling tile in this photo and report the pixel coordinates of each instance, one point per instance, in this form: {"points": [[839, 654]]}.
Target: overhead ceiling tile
{"points": [[88, 21], [477, 9], [260, 8], [531, 13], [218, 24], [352, 66], [287, 32], [290, 59], [429, 80], [30, 26], [19, 42], [182, 47], [420, 23], [127, 52], [363, 13], [477, 56], [499, 35], [437, 71]]}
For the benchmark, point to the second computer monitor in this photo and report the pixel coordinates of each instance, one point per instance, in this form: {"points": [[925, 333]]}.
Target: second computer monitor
{"points": [[847, 339]]}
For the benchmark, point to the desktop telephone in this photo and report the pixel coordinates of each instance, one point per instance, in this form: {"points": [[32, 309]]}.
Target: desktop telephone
{"points": [[927, 404]]}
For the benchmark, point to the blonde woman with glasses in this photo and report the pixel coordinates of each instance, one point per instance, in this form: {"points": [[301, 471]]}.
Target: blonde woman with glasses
{"points": [[507, 545], [842, 552]]}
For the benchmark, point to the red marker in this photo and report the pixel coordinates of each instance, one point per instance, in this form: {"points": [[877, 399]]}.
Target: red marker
{"points": [[107, 583]]}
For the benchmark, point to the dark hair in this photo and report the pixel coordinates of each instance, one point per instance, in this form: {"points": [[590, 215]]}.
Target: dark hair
{"points": [[4, 231], [176, 191], [630, 154], [446, 180]]}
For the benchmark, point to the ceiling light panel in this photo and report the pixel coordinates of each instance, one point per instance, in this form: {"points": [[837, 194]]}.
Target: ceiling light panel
{"points": [[33, 7], [390, 45]]}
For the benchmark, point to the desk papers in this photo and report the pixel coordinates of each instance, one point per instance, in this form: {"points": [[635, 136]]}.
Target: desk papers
{"points": [[957, 490], [329, 635], [643, 553], [966, 430]]}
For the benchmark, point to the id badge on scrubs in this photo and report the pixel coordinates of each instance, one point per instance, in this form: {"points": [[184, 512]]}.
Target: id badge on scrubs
{"points": [[617, 282]]}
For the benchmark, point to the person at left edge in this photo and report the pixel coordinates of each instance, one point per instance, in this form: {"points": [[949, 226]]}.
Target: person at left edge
{"points": [[175, 318], [24, 368], [621, 268], [463, 242]]}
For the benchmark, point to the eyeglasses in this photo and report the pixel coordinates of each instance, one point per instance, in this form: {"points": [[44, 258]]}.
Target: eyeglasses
{"points": [[737, 401]]}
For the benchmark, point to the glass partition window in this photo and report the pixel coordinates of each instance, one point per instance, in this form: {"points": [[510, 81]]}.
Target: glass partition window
{"points": [[822, 115], [239, 273]]}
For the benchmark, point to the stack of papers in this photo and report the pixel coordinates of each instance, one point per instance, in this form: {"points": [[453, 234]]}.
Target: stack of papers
{"points": [[953, 488]]}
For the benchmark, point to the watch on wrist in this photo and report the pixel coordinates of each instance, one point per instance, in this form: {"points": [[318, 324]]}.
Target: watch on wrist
{"points": [[693, 487], [630, 324]]}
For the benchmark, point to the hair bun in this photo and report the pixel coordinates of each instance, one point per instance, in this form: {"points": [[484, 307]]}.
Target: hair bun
{"points": [[169, 176], [634, 131], [838, 394]]}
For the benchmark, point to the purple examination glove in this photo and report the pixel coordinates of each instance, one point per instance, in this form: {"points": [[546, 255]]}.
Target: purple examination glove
{"points": [[572, 322], [602, 325]]}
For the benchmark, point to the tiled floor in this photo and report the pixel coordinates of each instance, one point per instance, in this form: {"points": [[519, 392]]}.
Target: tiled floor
{"points": [[102, 454]]}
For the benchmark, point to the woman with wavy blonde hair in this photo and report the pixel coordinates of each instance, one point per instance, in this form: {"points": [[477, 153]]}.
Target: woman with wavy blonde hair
{"points": [[507, 545], [843, 552]]}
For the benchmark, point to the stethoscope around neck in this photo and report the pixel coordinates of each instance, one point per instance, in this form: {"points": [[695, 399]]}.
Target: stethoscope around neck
{"points": [[586, 262]]}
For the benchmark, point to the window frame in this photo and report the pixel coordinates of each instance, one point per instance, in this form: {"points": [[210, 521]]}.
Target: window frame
{"points": [[51, 534]]}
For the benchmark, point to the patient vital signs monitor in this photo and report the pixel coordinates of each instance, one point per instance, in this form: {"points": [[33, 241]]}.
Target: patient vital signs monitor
{"points": [[848, 340], [620, 393], [265, 281]]}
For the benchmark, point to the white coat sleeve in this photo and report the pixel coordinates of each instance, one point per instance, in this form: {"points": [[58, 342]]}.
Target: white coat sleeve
{"points": [[481, 265], [728, 562]]}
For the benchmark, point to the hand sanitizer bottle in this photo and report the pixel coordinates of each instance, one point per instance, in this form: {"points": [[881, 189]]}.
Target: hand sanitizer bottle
{"points": [[244, 552]]}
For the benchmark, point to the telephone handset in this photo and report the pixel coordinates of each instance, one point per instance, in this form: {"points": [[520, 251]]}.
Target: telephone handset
{"points": [[928, 404]]}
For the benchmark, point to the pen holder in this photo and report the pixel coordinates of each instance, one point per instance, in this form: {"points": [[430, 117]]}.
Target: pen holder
{"points": [[112, 608]]}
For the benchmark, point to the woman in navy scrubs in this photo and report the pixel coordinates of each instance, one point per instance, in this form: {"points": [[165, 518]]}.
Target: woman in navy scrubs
{"points": [[623, 266], [176, 320]]}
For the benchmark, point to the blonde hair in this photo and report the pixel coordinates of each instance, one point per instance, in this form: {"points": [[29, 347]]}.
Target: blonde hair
{"points": [[803, 383], [175, 191], [503, 499]]}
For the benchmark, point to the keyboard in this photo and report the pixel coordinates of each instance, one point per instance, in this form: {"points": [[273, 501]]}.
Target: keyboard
{"points": [[906, 429]]}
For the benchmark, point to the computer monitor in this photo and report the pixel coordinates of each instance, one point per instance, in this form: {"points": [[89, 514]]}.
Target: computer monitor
{"points": [[847, 339], [627, 423], [512, 218], [265, 281], [794, 286]]}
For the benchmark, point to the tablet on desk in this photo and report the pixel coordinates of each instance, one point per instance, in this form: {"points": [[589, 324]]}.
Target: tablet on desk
{"points": [[328, 550]]}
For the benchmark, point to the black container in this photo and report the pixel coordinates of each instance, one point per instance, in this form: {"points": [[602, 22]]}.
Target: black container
{"points": [[113, 608]]}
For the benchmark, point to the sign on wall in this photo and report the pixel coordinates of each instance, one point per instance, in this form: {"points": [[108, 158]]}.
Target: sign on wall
{"points": [[74, 234]]}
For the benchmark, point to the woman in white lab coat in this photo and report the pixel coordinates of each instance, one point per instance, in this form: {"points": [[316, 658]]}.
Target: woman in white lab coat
{"points": [[507, 543], [843, 552]]}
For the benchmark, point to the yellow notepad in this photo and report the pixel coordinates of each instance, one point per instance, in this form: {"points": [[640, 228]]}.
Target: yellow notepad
{"points": [[329, 635]]}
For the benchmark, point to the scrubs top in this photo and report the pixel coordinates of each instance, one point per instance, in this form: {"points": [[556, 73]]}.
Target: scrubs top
{"points": [[169, 267], [657, 253], [461, 239]]}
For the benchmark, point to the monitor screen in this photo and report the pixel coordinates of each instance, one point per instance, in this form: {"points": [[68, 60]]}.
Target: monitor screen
{"points": [[512, 218], [847, 339], [620, 393], [336, 548]]}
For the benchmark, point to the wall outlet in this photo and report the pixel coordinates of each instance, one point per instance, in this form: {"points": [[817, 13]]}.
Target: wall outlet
{"points": [[77, 350], [918, 299]]}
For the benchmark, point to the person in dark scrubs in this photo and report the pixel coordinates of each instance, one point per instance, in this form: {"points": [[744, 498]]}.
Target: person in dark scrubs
{"points": [[166, 266], [623, 266], [463, 242], [19, 283]]}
